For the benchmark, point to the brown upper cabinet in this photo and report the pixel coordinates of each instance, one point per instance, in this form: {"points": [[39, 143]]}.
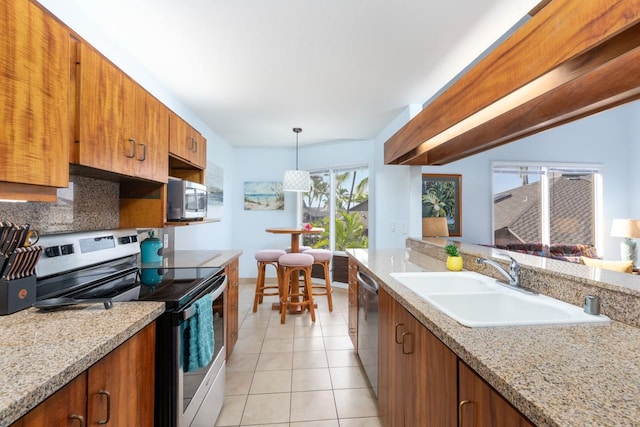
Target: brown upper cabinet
{"points": [[571, 59], [186, 143], [119, 126], [34, 100]]}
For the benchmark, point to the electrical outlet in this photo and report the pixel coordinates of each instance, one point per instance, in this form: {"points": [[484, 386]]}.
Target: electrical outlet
{"points": [[165, 242]]}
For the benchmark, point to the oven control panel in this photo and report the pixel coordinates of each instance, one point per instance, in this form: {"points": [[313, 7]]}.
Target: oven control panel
{"points": [[70, 251]]}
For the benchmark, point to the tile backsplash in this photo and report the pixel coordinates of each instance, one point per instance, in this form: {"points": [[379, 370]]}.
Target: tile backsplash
{"points": [[87, 204]]}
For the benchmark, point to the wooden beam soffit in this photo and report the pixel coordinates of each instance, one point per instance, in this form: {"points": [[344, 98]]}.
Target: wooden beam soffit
{"points": [[572, 59]]}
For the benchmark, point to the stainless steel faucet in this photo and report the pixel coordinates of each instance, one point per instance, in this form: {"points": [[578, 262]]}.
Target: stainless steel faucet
{"points": [[513, 275]]}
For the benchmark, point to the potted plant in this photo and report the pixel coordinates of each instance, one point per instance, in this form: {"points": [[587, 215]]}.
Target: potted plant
{"points": [[454, 260]]}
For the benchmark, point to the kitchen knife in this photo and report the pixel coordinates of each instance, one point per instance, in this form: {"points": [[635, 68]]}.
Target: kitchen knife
{"points": [[33, 261], [3, 231], [33, 255], [6, 243], [8, 267], [21, 263], [18, 237], [13, 241]]}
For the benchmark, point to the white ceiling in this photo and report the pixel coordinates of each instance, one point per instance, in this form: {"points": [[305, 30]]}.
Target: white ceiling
{"points": [[252, 70]]}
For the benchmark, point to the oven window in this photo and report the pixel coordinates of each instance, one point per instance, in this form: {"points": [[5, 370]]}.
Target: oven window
{"points": [[193, 379]]}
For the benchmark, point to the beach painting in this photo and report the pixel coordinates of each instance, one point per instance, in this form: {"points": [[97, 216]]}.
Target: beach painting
{"points": [[215, 194], [263, 196]]}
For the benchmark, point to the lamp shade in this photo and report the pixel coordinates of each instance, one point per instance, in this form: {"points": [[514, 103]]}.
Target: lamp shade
{"points": [[625, 228], [435, 227], [296, 180]]}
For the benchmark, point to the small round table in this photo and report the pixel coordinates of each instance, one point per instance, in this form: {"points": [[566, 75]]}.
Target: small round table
{"points": [[295, 247], [295, 234]]}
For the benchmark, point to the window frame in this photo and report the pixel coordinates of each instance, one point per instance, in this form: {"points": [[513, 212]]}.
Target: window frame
{"points": [[549, 167], [332, 171]]}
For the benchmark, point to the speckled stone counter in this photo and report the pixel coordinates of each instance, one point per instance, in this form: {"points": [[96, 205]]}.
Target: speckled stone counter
{"points": [[576, 375], [42, 351]]}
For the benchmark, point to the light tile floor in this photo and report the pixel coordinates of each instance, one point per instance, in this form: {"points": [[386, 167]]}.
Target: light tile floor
{"points": [[300, 374]]}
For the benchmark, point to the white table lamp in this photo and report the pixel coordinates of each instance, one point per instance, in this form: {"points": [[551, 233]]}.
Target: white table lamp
{"points": [[629, 229]]}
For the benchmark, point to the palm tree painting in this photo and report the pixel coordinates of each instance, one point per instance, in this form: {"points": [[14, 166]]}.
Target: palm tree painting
{"points": [[441, 196]]}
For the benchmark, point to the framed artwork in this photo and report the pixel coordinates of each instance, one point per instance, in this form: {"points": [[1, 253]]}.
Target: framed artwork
{"points": [[441, 197], [215, 193], [263, 196]]}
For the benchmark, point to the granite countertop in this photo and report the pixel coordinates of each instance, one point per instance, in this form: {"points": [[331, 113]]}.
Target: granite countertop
{"points": [[43, 351], [561, 375]]}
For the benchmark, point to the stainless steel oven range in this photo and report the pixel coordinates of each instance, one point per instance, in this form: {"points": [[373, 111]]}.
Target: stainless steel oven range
{"points": [[104, 266]]}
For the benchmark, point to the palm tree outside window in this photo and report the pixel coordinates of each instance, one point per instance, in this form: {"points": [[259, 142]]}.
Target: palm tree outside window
{"points": [[338, 202]]}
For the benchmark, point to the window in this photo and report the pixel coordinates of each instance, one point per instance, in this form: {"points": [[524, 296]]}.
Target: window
{"points": [[338, 202], [546, 203]]}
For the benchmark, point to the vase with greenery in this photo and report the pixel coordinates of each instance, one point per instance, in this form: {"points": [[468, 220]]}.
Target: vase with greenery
{"points": [[454, 260]]}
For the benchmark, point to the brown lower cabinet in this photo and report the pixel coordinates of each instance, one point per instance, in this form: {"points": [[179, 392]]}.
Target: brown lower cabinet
{"points": [[480, 405], [417, 372], [66, 407], [231, 300], [421, 382], [117, 391]]}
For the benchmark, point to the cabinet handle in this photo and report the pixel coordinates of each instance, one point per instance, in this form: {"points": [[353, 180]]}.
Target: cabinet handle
{"points": [[106, 393], [80, 418], [397, 339], [195, 145], [403, 342], [133, 147], [460, 405], [144, 153]]}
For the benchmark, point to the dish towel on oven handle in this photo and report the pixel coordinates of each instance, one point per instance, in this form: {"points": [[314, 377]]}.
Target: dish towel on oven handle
{"points": [[201, 339]]}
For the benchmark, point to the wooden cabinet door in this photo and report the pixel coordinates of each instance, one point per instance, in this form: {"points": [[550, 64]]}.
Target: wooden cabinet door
{"points": [[482, 406], [417, 383], [430, 372], [106, 115], [34, 96], [232, 305], [121, 385], [200, 155], [65, 408], [186, 143], [391, 389], [152, 137]]}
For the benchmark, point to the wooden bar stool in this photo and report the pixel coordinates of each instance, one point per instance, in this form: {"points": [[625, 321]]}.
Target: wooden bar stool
{"points": [[266, 257], [291, 291], [322, 257]]}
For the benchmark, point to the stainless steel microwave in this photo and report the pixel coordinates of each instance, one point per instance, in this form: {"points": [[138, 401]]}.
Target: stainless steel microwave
{"points": [[186, 200]]}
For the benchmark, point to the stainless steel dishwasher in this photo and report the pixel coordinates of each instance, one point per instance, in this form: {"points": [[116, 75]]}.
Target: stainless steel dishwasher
{"points": [[368, 327]]}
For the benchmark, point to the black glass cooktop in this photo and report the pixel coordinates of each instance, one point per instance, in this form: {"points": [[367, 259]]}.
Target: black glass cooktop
{"points": [[174, 286]]}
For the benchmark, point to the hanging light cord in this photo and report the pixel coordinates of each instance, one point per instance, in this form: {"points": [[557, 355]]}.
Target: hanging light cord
{"points": [[297, 131]]}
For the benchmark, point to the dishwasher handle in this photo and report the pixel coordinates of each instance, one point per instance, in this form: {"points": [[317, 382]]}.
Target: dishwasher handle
{"points": [[367, 282]]}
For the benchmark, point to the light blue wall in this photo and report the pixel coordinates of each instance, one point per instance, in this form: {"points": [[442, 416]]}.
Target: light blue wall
{"points": [[634, 153], [269, 164]]}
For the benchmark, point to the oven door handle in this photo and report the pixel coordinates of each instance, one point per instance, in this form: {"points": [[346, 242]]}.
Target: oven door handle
{"points": [[190, 311]]}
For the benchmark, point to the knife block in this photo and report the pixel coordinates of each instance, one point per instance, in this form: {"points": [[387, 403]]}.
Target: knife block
{"points": [[18, 294]]}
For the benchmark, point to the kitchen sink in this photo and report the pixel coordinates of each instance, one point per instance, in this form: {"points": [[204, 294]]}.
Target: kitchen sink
{"points": [[476, 300]]}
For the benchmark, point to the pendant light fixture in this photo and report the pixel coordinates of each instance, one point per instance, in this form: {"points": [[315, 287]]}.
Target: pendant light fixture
{"points": [[296, 180]]}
